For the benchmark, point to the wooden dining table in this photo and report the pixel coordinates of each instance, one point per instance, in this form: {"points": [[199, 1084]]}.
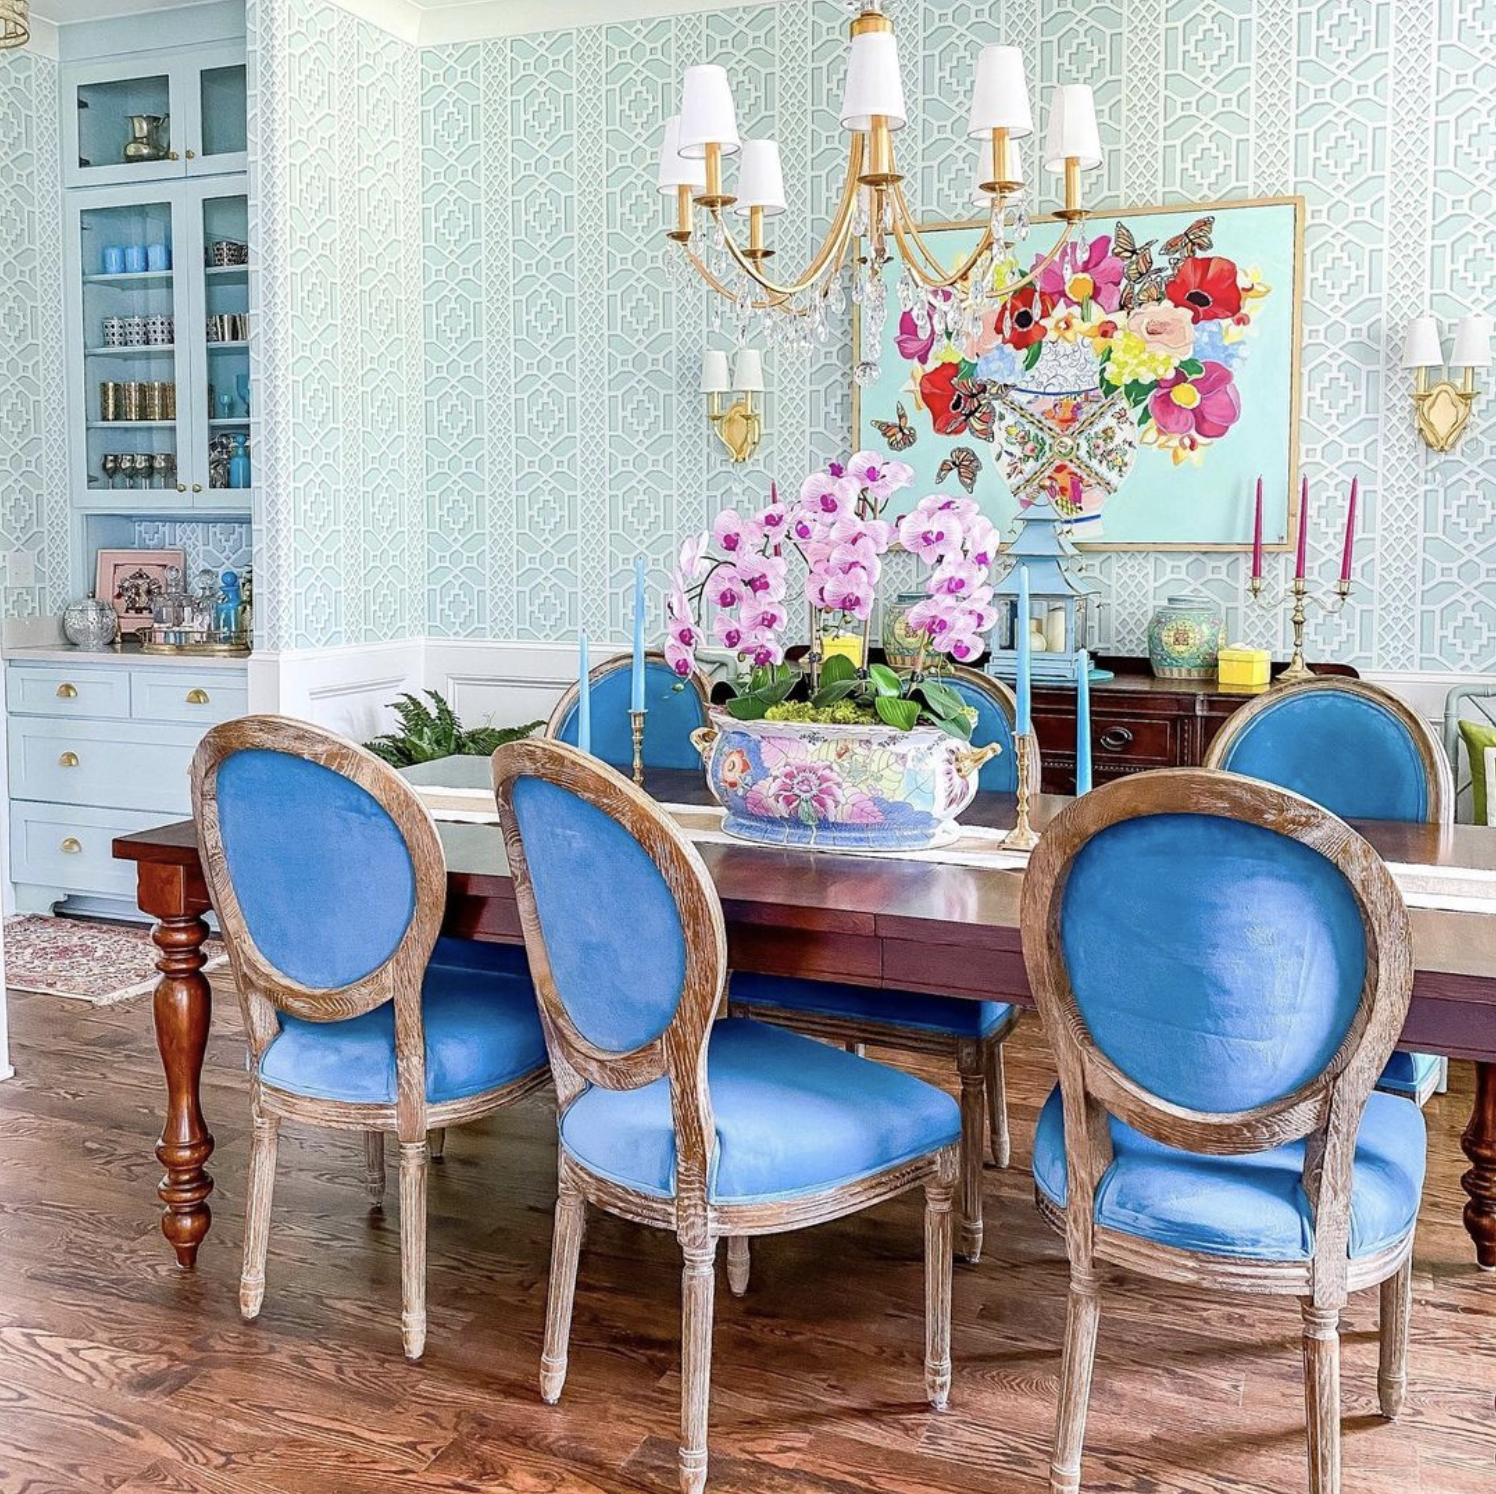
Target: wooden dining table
{"points": [[880, 921]]}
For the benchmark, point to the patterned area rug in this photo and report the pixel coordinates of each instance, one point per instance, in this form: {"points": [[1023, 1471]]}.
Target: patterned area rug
{"points": [[100, 963]]}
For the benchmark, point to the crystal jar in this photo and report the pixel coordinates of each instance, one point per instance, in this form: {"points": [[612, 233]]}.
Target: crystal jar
{"points": [[90, 623]]}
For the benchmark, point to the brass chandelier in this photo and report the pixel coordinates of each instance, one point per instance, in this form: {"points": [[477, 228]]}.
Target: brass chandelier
{"points": [[874, 224], [15, 23]]}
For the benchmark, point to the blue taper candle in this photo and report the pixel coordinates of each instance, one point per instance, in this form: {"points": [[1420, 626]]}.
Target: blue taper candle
{"points": [[1022, 643], [638, 681], [1083, 724], [584, 696]]}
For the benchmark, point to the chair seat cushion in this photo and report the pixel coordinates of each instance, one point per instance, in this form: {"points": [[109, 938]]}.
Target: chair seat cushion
{"points": [[482, 1032], [793, 1116], [871, 1007], [1252, 1207]]}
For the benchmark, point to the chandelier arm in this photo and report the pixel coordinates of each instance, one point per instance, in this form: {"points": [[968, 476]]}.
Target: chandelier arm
{"points": [[834, 243], [772, 303], [901, 210]]}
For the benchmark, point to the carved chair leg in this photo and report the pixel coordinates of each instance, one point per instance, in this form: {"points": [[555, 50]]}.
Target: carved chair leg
{"points": [[413, 1159], [1082, 1317], [698, 1288], [374, 1167], [262, 1150], [436, 1140], [939, 1192], [973, 1140], [566, 1249], [1322, 1396], [1392, 1370], [997, 1105], [739, 1263]]}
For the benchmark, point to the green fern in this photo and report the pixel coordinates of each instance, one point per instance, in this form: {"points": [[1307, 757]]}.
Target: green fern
{"points": [[431, 732]]}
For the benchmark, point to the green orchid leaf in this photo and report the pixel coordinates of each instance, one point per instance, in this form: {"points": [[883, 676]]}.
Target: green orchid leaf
{"points": [[942, 700], [904, 714], [836, 669], [885, 681], [952, 726], [748, 708], [830, 694]]}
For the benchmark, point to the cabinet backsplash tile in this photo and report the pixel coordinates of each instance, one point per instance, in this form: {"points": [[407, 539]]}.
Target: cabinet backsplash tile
{"points": [[219, 545]]}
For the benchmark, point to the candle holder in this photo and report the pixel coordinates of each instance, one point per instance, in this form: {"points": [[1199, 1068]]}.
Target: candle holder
{"points": [[1022, 836], [636, 726], [1302, 598]]}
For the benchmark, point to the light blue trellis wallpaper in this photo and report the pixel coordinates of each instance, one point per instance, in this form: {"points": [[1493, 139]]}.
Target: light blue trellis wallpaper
{"points": [[33, 446], [563, 434]]}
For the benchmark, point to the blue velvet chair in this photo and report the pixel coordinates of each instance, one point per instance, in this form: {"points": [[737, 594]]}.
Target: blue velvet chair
{"points": [[667, 1118], [969, 1032], [329, 883], [1363, 754], [1222, 968], [675, 709]]}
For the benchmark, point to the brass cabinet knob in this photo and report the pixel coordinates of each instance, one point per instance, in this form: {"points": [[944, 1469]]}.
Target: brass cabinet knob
{"points": [[197, 697], [68, 760], [191, 155], [197, 487], [72, 845], [181, 487], [172, 156], [66, 691]]}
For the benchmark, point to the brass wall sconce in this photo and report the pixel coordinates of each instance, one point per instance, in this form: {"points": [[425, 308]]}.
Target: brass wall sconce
{"points": [[740, 424], [1442, 409]]}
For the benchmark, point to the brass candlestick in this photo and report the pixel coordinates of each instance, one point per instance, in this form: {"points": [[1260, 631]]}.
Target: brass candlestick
{"points": [[1022, 836], [636, 725], [1297, 669]]}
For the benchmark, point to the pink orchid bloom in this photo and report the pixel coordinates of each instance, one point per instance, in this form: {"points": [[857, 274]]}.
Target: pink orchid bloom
{"points": [[693, 557], [982, 540], [680, 658], [762, 576], [930, 617], [850, 591], [962, 647], [804, 527], [956, 578], [882, 476], [767, 619], [683, 631], [827, 496], [763, 649], [725, 588], [773, 519], [728, 631], [929, 535], [734, 534]]}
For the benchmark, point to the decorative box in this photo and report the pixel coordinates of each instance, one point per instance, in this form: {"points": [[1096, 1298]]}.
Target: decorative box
{"points": [[1244, 668]]}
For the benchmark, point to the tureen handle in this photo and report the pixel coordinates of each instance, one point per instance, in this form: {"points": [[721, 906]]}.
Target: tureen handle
{"points": [[973, 759], [702, 740]]}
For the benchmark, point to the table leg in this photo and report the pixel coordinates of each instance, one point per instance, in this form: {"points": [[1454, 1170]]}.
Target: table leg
{"points": [[183, 1009], [1479, 1144]]}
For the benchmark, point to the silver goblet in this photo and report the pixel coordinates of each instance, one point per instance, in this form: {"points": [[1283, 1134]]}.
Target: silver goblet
{"points": [[109, 466]]}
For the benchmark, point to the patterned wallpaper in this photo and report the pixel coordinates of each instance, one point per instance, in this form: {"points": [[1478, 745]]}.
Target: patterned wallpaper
{"points": [[563, 433], [335, 157], [33, 449]]}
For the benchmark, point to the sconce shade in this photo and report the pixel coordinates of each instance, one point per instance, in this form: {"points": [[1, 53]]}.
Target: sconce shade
{"points": [[748, 371], [1013, 171], [1421, 348], [999, 100], [714, 379], [1072, 128], [760, 178], [707, 116], [1472, 342], [675, 169], [873, 83]]}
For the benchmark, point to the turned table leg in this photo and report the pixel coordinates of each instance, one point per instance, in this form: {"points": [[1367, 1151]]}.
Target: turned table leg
{"points": [[183, 1008], [1479, 1144]]}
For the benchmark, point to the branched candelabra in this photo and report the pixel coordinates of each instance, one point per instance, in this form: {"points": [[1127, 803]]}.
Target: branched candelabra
{"points": [[1302, 599]]}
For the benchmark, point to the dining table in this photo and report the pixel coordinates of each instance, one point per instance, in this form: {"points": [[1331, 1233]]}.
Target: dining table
{"points": [[903, 922]]}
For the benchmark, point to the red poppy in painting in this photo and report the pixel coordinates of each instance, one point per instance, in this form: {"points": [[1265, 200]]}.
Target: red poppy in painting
{"points": [[958, 403], [1021, 321], [1205, 286]]}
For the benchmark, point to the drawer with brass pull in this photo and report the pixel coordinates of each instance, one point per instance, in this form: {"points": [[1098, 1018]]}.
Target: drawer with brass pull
{"points": [[110, 764], [198, 699], [68, 690], [63, 846]]}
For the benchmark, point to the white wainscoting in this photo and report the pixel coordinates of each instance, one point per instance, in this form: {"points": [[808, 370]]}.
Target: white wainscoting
{"points": [[347, 689], [506, 684]]}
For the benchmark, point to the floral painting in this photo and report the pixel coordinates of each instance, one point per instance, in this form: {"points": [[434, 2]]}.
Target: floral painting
{"points": [[1138, 382]]}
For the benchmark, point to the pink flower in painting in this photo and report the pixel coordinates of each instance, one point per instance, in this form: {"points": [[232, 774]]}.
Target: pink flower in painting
{"points": [[808, 791], [1082, 273], [914, 346], [1206, 404]]}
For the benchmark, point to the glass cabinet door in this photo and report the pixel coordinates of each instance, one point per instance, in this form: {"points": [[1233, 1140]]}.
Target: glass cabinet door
{"points": [[119, 127], [222, 118], [222, 221], [132, 322]]}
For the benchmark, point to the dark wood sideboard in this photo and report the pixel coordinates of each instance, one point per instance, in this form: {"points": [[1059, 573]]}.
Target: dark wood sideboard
{"points": [[1137, 722]]}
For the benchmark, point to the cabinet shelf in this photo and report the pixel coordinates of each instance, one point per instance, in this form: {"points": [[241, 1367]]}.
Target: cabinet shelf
{"points": [[131, 425], [135, 350], [131, 277], [227, 272], [230, 420], [238, 346]]}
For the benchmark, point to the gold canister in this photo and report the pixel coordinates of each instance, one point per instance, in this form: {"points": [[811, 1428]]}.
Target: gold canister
{"points": [[131, 401], [168, 401], [150, 405], [111, 397]]}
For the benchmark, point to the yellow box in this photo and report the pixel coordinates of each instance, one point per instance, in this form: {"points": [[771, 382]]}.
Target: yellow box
{"points": [[847, 646], [1244, 668]]}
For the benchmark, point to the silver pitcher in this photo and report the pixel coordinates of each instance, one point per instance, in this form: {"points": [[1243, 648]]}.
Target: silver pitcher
{"points": [[149, 137]]}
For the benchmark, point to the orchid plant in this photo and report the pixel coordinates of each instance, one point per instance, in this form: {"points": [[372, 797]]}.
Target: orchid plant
{"points": [[840, 528]]}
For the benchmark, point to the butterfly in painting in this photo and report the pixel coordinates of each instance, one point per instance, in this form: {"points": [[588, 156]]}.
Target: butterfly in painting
{"points": [[1196, 239], [965, 463], [1142, 284], [899, 434]]}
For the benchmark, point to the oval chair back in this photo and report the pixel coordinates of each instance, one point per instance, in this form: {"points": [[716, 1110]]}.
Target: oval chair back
{"points": [[624, 931], [675, 708], [1222, 965], [328, 879], [1349, 745], [997, 711]]}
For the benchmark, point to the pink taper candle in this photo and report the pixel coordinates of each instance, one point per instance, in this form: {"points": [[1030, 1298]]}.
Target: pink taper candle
{"points": [[1298, 570], [1257, 537], [1350, 532]]}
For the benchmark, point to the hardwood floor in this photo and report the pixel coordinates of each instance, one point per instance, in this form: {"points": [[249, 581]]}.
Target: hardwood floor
{"points": [[118, 1372]]}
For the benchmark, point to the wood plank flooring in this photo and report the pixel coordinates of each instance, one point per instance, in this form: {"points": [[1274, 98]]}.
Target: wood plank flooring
{"points": [[118, 1372]]}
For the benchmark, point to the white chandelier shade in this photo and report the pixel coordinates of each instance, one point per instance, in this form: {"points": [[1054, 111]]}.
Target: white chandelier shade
{"points": [[675, 170], [1073, 135], [1000, 99], [707, 116], [874, 89], [760, 179]]}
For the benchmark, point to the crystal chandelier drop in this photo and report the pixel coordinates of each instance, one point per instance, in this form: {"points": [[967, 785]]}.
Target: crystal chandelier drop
{"points": [[874, 224], [15, 23]]}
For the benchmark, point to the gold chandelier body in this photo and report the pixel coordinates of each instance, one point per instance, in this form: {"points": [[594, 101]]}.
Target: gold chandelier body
{"points": [[15, 23]]}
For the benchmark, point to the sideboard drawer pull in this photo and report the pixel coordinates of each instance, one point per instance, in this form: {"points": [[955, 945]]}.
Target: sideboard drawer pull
{"points": [[197, 697], [71, 845], [66, 691], [1115, 739], [68, 760]]}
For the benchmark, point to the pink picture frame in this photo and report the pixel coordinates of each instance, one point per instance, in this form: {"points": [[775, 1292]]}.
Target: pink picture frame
{"points": [[131, 580]]}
